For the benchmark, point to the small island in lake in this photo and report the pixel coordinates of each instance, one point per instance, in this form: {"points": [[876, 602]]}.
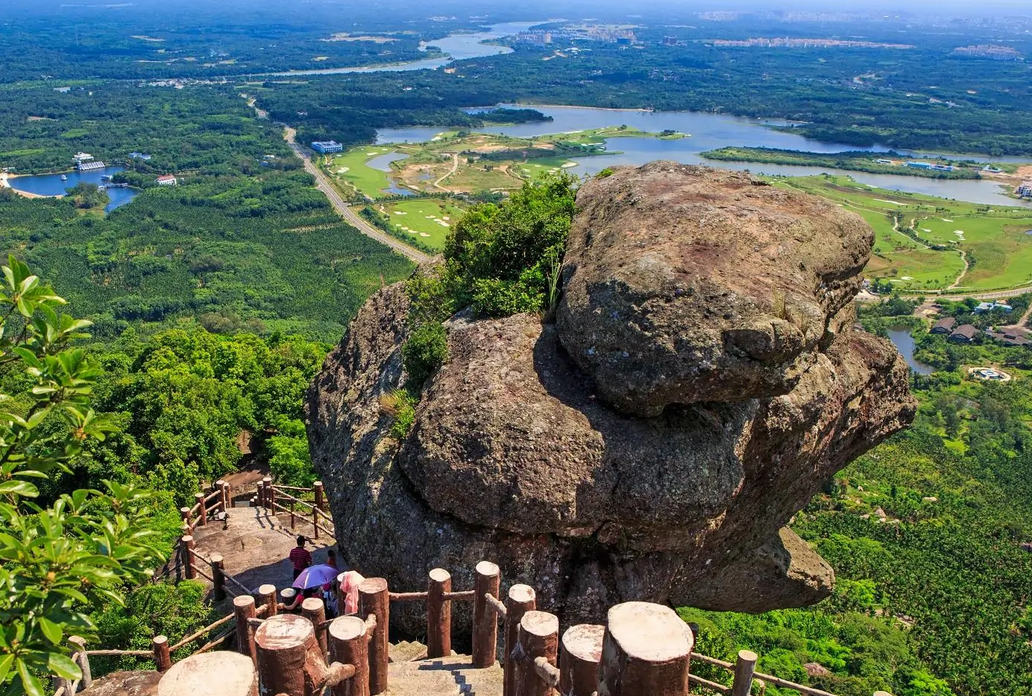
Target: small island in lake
{"points": [[860, 161]]}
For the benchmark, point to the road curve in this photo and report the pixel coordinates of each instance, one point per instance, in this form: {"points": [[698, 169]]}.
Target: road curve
{"points": [[986, 295], [350, 216]]}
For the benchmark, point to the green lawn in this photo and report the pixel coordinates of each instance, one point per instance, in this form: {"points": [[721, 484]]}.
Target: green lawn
{"points": [[351, 168], [994, 238], [538, 169], [427, 219]]}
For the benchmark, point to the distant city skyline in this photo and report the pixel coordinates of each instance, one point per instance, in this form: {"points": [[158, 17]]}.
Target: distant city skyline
{"points": [[465, 7]]}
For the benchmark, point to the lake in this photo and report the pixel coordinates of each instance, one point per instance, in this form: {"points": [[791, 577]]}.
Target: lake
{"points": [[51, 185], [905, 344], [708, 132], [453, 47]]}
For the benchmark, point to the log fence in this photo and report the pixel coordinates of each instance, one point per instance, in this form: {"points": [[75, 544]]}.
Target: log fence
{"points": [[216, 503], [273, 496], [642, 649]]}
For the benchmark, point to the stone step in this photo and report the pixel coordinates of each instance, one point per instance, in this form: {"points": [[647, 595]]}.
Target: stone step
{"points": [[446, 676], [406, 651]]}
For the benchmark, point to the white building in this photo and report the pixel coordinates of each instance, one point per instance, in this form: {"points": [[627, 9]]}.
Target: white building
{"points": [[167, 180]]}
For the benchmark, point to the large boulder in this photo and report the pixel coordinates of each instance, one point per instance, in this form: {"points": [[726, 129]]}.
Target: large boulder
{"points": [[519, 455], [688, 284]]}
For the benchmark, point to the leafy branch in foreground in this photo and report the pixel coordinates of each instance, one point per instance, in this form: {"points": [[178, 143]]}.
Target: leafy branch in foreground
{"points": [[57, 559]]}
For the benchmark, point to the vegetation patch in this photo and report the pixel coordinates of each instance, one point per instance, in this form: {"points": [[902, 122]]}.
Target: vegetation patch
{"points": [[500, 259]]}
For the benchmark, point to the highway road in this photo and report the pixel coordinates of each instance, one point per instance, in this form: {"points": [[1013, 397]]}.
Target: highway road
{"points": [[349, 215]]}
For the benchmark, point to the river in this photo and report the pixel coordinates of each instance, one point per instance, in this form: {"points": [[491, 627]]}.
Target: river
{"points": [[453, 47], [708, 132], [905, 344], [52, 185]]}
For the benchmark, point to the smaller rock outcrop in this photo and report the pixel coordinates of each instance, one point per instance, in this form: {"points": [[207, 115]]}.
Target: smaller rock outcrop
{"points": [[688, 284]]}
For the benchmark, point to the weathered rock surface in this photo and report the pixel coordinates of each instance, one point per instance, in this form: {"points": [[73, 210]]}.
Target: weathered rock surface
{"points": [[688, 284], [519, 455]]}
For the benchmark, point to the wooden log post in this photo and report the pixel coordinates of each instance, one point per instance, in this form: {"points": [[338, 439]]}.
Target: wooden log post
{"points": [[349, 645], [244, 610], [288, 657], [320, 499], [287, 596], [645, 651], [579, 655], [186, 548], [488, 581], [374, 598], [227, 497], [270, 495], [745, 667], [520, 600], [210, 674], [267, 598], [220, 486], [184, 512], [218, 577], [162, 656], [314, 610], [538, 637], [202, 512], [83, 660], [438, 614]]}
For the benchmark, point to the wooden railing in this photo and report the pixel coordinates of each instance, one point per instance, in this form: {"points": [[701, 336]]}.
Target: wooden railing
{"points": [[217, 502], [648, 648], [269, 496]]}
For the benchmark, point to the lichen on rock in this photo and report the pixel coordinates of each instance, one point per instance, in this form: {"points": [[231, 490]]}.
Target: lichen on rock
{"points": [[701, 383]]}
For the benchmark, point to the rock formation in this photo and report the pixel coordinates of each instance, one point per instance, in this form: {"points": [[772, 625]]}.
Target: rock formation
{"points": [[702, 381]]}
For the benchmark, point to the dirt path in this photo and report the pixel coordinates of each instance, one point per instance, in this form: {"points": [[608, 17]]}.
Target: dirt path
{"points": [[254, 546], [455, 168], [1025, 317], [967, 267], [895, 228]]}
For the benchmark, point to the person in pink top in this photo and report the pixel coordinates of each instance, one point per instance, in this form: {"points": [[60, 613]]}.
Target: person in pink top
{"points": [[349, 591]]}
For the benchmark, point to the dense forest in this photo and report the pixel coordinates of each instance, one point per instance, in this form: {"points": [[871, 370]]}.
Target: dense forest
{"points": [[245, 242]]}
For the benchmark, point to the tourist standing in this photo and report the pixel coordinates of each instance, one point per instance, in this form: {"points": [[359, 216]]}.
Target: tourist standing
{"points": [[300, 557]]}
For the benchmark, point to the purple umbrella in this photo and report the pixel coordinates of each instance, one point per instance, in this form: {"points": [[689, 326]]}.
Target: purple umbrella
{"points": [[315, 576]]}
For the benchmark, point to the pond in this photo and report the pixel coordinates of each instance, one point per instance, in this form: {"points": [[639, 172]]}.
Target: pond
{"points": [[383, 164], [708, 132], [52, 185], [905, 344]]}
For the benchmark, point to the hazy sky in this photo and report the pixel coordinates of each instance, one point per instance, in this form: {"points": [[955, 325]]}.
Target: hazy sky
{"points": [[982, 8]]}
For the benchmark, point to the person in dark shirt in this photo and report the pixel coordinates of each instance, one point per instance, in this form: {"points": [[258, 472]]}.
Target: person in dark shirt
{"points": [[300, 557]]}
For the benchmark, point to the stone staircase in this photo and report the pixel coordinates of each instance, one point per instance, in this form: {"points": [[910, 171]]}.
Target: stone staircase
{"points": [[412, 674]]}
